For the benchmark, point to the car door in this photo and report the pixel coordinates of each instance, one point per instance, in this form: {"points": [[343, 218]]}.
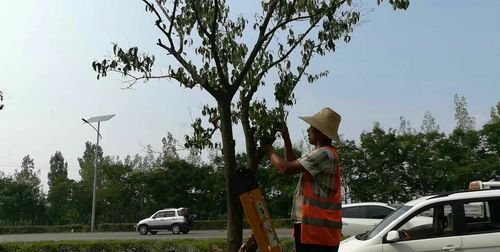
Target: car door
{"points": [[169, 218], [429, 229], [159, 220], [481, 229]]}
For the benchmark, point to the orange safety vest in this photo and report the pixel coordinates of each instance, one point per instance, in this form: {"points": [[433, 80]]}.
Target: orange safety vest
{"points": [[322, 217]]}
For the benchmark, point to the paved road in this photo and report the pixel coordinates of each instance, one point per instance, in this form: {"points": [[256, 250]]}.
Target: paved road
{"points": [[195, 234]]}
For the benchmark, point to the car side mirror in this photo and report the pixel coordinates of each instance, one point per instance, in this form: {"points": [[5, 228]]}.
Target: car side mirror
{"points": [[393, 236]]}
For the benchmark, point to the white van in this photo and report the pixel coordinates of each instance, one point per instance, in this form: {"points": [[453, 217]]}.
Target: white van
{"points": [[445, 222]]}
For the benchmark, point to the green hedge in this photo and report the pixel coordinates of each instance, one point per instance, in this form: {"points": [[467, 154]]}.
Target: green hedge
{"points": [[177, 245], [123, 227], [221, 224], [115, 227], [181, 245], [209, 224], [43, 229]]}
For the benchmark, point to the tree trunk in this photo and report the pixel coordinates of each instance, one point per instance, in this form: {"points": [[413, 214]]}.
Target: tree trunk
{"points": [[234, 209], [253, 154]]}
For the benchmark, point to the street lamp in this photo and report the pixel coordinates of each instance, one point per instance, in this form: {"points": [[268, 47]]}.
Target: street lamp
{"points": [[97, 119]]}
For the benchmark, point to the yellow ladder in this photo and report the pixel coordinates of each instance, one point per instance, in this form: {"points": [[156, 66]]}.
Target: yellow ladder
{"points": [[254, 205]]}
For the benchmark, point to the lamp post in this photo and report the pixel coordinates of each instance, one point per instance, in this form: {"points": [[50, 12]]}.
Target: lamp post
{"points": [[97, 119]]}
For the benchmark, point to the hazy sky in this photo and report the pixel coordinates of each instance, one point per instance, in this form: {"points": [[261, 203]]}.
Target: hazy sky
{"points": [[398, 64]]}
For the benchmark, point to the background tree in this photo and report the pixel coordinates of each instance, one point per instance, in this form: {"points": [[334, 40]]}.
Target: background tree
{"points": [[113, 203], [380, 175], [413, 164], [169, 146], [28, 195], [86, 162], [59, 195], [83, 188], [226, 64], [490, 149], [484, 161], [351, 159], [8, 209], [27, 174], [495, 113], [405, 127], [58, 169], [429, 124], [464, 121]]}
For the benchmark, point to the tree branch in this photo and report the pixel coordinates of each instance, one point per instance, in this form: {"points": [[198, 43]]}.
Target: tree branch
{"points": [[135, 78], [191, 70], [285, 56], [171, 19], [212, 38], [214, 48], [159, 19], [158, 23], [247, 97], [198, 20], [260, 41], [177, 54], [250, 143]]}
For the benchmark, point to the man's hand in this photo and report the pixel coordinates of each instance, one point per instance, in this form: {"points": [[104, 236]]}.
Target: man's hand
{"points": [[266, 148], [284, 133], [267, 139], [266, 143]]}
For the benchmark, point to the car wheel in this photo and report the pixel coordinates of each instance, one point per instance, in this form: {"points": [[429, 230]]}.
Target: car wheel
{"points": [[143, 229], [185, 231], [176, 229], [153, 232]]}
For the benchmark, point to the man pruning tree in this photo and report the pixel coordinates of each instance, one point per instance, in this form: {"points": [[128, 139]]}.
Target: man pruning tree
{"points": [[316, 209]]}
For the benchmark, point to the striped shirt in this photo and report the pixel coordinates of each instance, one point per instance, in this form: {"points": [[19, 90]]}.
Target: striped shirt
{"points": [[320, 163]]}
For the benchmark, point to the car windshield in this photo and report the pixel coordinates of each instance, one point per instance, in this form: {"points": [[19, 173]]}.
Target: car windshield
{"points": [[389, 219]]}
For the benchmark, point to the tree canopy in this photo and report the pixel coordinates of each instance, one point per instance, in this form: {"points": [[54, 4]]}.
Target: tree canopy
{"points": [[212, 51]]}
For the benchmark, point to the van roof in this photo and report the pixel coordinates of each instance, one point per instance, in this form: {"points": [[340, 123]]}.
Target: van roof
{"points": [[457, 195]]}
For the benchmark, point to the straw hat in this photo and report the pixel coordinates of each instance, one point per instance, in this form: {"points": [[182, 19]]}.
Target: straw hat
{"points": [[327, 121]]}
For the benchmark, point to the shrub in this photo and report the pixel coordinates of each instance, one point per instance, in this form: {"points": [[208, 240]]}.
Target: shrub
{"points": [[123, 227], [179, 245]]}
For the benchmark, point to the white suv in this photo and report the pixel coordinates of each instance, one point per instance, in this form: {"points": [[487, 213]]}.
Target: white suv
{"points": [[176, 220], [454, 221]]}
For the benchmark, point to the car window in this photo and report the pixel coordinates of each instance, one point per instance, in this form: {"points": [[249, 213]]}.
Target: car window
{"points": [[482, 216], [430, 222], [355, 212], [378, 212], [170, 214], [161, 215]]}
